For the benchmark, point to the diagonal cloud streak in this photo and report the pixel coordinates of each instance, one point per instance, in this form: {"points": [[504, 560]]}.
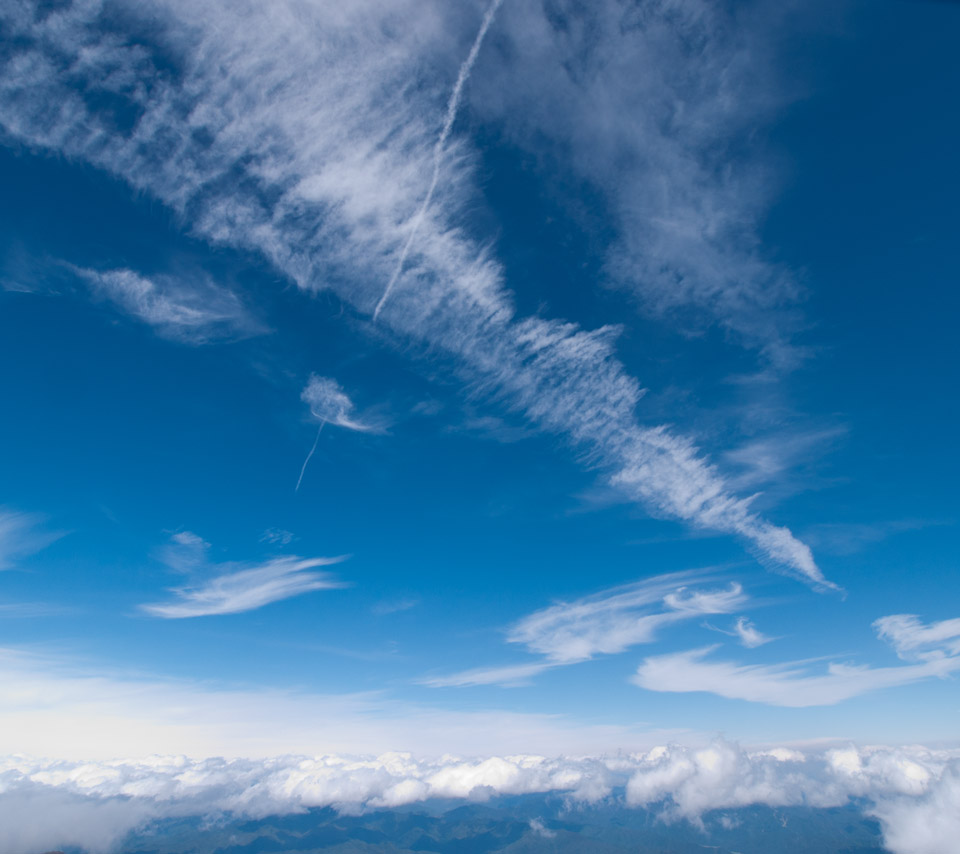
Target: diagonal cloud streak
{"points": [[448, 121], [298, 133]]}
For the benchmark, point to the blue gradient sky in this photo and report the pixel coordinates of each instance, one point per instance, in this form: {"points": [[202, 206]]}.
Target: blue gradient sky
{"points": [[760, 210]]}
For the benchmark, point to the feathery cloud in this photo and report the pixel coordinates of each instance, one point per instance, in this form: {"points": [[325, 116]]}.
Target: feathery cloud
{"points": [[317, 109], [914, 640], [795, 684], [232, 588], [194, 312], [605, 623], [21, 535]]}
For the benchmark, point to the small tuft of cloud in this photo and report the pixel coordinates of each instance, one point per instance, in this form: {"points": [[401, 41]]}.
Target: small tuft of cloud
{"points": [[329, 404], [744, 630], [277, 537], [539, 828], [395, 606]]}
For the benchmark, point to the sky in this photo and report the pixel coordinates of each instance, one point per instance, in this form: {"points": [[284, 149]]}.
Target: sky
{"points": [[478, 378]]}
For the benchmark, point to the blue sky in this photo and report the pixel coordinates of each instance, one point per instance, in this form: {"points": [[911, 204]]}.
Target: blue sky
{"points": [[522, 377]]}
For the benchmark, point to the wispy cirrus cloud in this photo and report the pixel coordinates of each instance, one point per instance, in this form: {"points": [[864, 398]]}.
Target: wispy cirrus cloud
{"points": [[665, 134], [192, 310], [325, 114], [22, 534], [915, 640], [745, 631], [231, 588], [801, 684], [605, 623]]}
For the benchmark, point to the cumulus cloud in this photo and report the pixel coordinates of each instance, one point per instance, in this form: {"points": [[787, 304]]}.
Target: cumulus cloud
{"points": [[194, 310], [304, 134], [93, 804], [232, 588], [797, 683], [604, 623]]}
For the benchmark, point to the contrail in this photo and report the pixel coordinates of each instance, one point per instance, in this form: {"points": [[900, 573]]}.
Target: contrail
{"points": [[303, 468], [451, 116]]}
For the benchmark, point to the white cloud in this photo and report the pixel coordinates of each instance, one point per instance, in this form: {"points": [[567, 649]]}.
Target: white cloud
{"points": [[330, 404], [604, 623], [745, 631], [614, 620], [232, 588], [315, 107], [248, 589], [913, 791], [914, 640], [794, 684], [508, 675], [21, 535], [194, 311], [655, 108]]}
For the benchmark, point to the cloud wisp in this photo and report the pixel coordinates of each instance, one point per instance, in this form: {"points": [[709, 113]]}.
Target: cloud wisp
{"points": [[745, 632], [329, 404], [914, 640], [193, 312], [233, 588], [912, 791], [332, 135], [21, 535], [797, 684], [605, 623], [448, 121]]}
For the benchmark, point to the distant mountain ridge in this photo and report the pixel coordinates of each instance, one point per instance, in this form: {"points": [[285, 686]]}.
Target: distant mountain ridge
{"points": [[529, 824]]}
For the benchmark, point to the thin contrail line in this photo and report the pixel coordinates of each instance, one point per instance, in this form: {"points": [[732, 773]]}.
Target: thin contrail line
{"points": [[451, 117], [303, 468]]}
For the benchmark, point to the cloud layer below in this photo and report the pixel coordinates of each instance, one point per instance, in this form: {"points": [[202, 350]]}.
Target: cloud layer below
{"points": [[915, 792]]}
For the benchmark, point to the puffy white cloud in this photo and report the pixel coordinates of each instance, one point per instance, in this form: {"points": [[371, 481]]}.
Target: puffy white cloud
{"points": [[913, 791], [296, 132]]}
